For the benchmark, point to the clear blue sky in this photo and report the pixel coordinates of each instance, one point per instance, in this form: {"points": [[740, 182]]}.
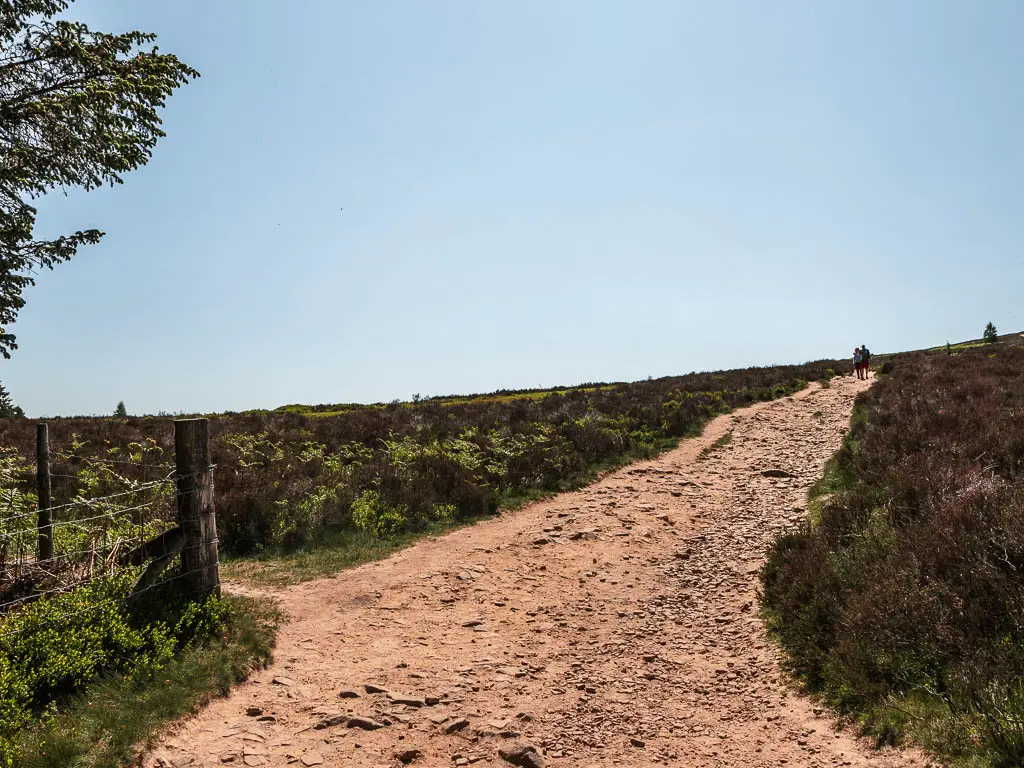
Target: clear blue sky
{"points": [[536, 192]]}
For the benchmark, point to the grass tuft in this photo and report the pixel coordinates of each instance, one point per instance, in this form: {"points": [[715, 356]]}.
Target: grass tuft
{"points": [[720, 443]]}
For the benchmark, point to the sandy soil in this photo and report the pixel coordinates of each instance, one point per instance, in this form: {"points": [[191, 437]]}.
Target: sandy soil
{"points": [[616, 625]]}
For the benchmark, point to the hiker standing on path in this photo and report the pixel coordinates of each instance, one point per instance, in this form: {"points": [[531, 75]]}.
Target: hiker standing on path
{"points": [[865, 359], [858, 362]]}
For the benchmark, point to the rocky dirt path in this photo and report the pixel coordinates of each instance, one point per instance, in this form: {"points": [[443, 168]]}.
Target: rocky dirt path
{"points": [[616, 625]]}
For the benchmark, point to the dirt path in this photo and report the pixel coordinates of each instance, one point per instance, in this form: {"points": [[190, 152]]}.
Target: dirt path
{"points": [[612, 626]]}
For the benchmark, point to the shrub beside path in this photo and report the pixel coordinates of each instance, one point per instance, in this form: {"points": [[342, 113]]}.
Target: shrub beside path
{"points": [[616, 625]]}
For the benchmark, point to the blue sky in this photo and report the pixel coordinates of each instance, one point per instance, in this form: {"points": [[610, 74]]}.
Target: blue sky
{"points": [[536, 192]]}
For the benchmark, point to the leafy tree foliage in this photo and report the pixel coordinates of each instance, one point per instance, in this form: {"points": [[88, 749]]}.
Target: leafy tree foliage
{"points": [[990, 334], [78, 108], [120, 410]]}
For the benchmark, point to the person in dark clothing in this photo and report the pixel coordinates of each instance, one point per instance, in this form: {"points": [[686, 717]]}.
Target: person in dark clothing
{"points": [[865, 359]]}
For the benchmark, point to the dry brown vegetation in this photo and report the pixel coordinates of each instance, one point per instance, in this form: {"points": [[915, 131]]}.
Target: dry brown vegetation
{"points": [[903, 601]]}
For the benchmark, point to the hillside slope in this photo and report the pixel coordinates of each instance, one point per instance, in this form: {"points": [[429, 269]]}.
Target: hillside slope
{"points": [[613, 625]]}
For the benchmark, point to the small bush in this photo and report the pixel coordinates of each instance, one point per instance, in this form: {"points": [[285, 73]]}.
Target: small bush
{"points": [[1001, 710], [371, 513], [104, 725], [57, 645]]}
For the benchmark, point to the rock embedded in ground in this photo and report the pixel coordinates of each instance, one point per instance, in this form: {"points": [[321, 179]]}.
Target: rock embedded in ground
{"points": [[407, 756], [456, 725], [330, 721], [408, 701], [522, 755]]}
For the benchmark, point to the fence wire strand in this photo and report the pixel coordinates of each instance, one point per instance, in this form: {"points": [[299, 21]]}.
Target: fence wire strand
{"points": [[63, 589], [121, 601], [92, 538]]}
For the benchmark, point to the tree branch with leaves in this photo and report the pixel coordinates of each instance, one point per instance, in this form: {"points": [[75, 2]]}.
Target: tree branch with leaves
{"points": [[78, 108]]}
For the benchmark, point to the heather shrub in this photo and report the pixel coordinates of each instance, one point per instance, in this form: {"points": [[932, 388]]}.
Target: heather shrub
{"points": [[908, 584]]}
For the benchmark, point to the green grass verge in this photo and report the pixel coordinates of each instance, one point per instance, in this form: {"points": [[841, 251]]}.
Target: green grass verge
{"points": [[108, 724], [336, 551], [959, 347], [835, 477]]}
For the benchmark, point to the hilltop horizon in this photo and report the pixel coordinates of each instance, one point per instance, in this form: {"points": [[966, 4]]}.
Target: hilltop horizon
{"points": [[336, 405]]}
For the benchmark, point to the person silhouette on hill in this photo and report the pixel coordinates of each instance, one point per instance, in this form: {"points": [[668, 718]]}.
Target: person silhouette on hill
{"points": [[865, 360]]}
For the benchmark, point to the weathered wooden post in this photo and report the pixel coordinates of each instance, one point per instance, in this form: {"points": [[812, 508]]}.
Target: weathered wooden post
{"points": [[45, 523], [199, 560]]}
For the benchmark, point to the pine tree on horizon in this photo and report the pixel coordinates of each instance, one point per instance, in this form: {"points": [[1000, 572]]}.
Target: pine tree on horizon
{"points": [[8, 409], [990, 334], [120, 411]]}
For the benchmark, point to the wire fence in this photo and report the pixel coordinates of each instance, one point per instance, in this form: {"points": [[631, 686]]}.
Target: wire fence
{"points": [[138, 525], [8, 628], [91, 538]]}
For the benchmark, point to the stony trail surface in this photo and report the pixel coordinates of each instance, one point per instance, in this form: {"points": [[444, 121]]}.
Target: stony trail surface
{"points": [[616, 625]]}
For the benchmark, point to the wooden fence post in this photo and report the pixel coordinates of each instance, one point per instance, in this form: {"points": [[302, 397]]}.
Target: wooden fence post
{"points": [[199, 560], [45, 524]]}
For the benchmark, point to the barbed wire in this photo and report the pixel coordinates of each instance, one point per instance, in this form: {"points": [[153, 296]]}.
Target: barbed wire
{"points": [[67, 555], [93, 502], [80, 524], [6, 607], [172, 477], [98, 545], [102, 605], [31, 471], [76, 522], [96, 460]]}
